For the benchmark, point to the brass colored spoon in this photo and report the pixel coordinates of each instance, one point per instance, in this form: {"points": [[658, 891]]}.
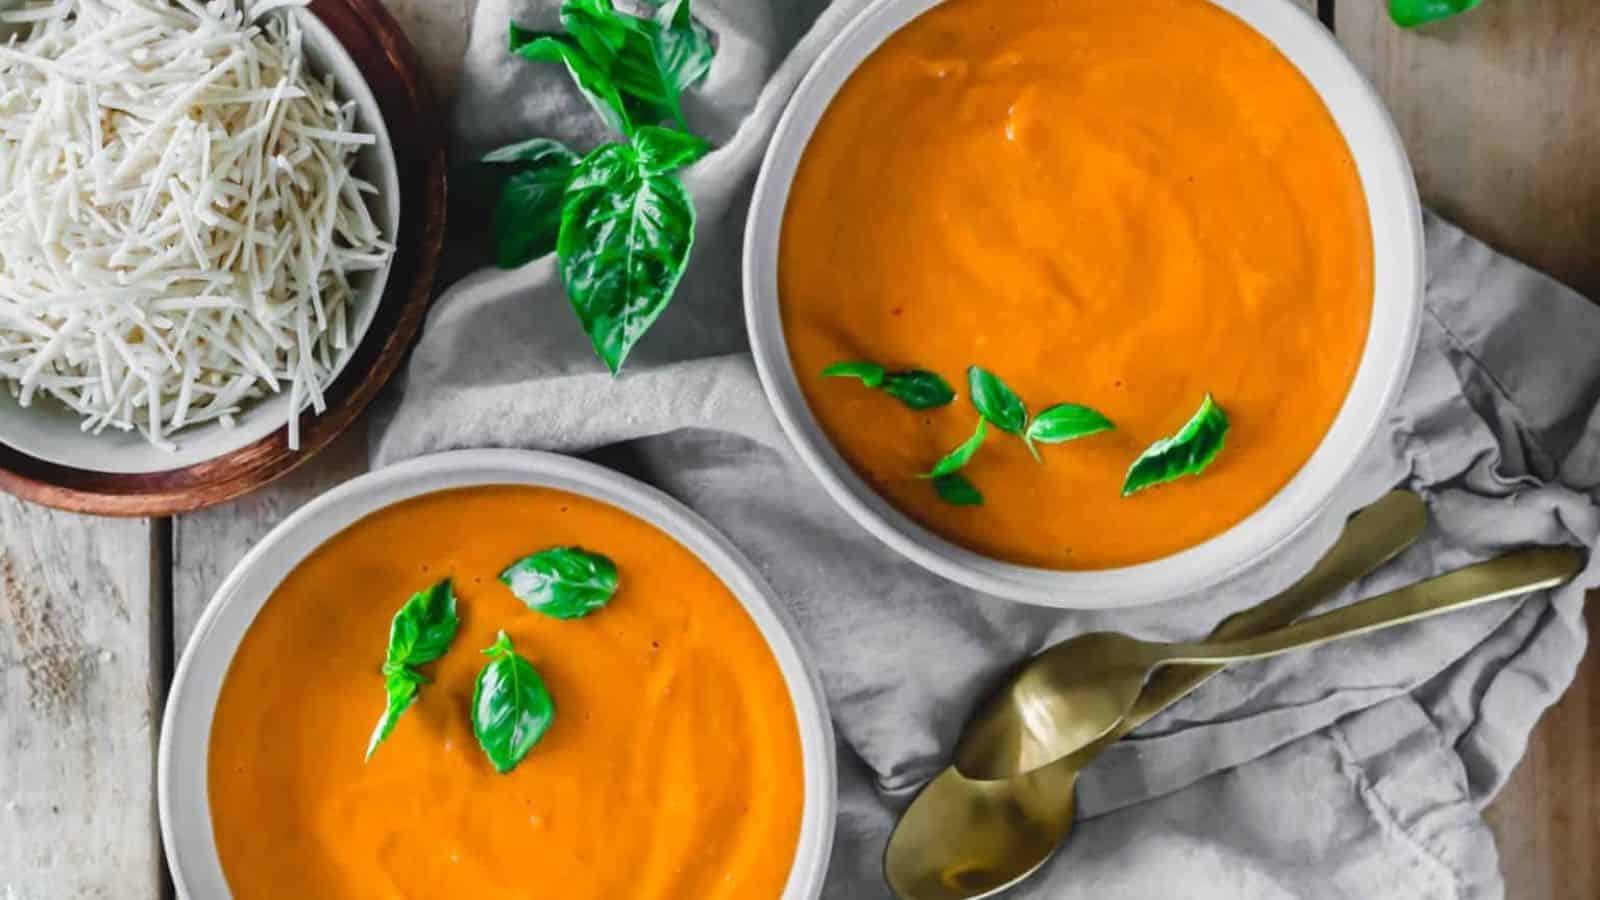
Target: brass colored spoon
{"points": [[1074, 693], [962, 840]]}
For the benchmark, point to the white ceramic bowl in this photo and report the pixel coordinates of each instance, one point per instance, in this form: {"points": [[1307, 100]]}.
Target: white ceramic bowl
{"points": [[48, 430], [185, 735], [1397, 242]]}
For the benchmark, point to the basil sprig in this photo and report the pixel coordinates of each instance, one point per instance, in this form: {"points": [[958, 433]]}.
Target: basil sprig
{"points": [[619, 219], [420, 633], [1066, 422], [564, 582], [918, 389], [1188, 452], [511, 708]]}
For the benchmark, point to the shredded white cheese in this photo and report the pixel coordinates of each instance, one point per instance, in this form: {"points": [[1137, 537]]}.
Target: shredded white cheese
{"points": [[179, 222]]}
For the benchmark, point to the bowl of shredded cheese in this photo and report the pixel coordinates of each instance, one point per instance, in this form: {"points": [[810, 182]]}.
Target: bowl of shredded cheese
{"points": [[199, 204]]}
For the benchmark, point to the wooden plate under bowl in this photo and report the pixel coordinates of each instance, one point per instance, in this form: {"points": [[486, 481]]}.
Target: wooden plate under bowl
{"points": [[391, 68]]}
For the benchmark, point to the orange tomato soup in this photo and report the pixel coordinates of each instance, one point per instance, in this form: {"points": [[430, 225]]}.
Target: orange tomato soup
{"points": [[672, 769], [1125, 205]]}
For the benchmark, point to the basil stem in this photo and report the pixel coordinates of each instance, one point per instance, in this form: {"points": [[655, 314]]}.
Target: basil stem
{"points": [[1188, 452]]}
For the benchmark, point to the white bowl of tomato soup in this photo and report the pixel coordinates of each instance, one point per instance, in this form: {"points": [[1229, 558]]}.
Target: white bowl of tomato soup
{"points": [[1117, 210], [689, 754]]}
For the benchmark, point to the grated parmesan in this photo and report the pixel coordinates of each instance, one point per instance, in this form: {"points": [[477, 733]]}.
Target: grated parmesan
{"points": [[179, 221]]}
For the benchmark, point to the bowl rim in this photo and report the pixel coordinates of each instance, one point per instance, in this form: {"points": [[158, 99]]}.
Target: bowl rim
{"points": [[53, 433], [182, 791], [1395, 214]]}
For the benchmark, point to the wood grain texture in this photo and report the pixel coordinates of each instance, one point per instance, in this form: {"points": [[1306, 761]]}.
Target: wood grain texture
{"points": [[206, 545], [1499, 110], [395, 75], [81, 673]]}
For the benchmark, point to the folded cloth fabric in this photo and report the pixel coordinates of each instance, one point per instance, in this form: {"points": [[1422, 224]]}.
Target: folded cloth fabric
{"points": [[1356, 770]]}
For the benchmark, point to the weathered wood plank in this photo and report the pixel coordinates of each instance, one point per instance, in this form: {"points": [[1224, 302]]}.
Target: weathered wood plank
{"points": [[1498, 108], [82, 669], [206, 545]]}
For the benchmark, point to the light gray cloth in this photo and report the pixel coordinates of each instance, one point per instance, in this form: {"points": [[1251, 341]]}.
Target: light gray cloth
{"points": [[1353, 771]]}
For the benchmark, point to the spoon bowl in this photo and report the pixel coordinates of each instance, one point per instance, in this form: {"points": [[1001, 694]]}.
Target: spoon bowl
{"points": [[964, 839]]}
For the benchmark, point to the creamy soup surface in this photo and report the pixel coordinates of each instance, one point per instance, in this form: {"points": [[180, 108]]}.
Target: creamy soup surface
{"points": [[672, 770], [1125, 205]]}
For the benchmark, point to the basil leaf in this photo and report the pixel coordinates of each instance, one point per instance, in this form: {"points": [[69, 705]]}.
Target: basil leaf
{"points": [[1065, 422], [996, 401], [527, 217], [511, 708], [957, 491], [958, 458], [663, 151], [401, 684], [592, 77], [683, 51], [626, 232], [919, 389], [424, 627], [597, 27], [564, 582], [1188, 452], [870, 373], [420, 633]]}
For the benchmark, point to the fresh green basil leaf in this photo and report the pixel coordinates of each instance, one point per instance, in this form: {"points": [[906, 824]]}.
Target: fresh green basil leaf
{"points": [[957, 490], [401, 684], [919, 389], [592, 77], [534, 153], [422, 630], [527, 217], [958, 458], [511, 708], [870, 373], [1065, 422], [597, 27], [1188, 452], [683, 51], [1411, 13], [420, 633], [662, 151], [625, 240], [996, 401], [564, 582]]}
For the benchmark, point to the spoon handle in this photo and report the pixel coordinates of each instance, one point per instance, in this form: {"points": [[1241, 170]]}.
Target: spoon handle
{"points": [[1509, 575], [1372, 537]]}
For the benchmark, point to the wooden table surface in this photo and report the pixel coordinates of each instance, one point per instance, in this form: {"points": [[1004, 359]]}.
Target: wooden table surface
{"points": [[1500, 110]]}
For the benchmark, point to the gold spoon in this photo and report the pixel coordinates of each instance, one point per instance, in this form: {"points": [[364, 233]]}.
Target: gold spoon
{"points": [[962, 840], [1074, 693]]}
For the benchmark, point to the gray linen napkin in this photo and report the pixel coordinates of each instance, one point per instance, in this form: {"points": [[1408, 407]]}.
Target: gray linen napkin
{"points": [[1353, 771]]}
